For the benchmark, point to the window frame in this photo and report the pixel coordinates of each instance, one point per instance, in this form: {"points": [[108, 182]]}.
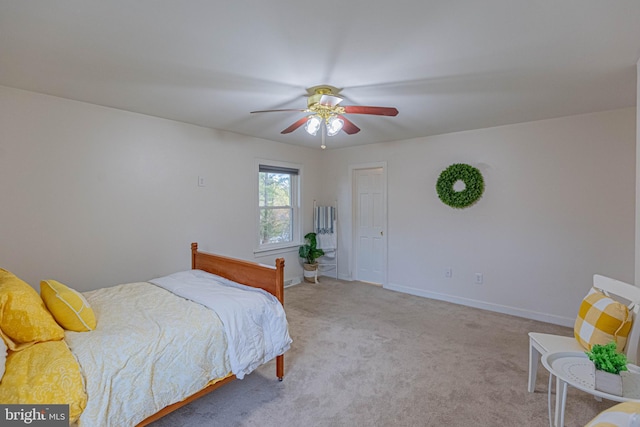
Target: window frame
{"points": [[296, 184]]}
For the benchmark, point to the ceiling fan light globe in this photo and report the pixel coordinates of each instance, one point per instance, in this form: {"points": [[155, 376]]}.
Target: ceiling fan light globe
{"points": [[313, 125], [334, 125]]}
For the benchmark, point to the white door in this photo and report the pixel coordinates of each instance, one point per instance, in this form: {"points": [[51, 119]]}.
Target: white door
{"points": [[370, 224]]}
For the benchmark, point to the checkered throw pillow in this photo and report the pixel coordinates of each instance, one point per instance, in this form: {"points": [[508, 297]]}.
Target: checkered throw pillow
{"points": [[602, 320], [623, 414]]}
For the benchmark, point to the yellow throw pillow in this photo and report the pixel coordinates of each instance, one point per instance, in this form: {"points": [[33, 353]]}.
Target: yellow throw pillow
{"points": [[622, 414], [45, 373], [24, 320], [70, 309], [602, 320]]}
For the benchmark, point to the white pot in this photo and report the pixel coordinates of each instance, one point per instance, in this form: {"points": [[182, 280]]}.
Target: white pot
{"points": [[609, 383], [310, 272], [631, 382]]}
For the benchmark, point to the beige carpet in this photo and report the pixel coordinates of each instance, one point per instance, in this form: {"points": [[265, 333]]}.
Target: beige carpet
{"points": [[365, 356]]}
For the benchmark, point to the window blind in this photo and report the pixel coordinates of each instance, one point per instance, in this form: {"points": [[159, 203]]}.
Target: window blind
{"points": [[278, 169]]}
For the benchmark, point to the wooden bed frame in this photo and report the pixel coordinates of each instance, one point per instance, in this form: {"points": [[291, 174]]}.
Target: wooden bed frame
{"points": [[271, 279]]}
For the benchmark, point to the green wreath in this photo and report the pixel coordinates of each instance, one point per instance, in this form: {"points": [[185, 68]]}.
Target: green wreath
{"points": [[472, 179]]}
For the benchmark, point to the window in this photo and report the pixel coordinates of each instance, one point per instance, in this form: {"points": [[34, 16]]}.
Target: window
{"points": [[278, 206]]}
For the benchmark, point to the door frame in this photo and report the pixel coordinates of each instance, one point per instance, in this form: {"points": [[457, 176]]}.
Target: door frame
{"points": [[353, 264]]}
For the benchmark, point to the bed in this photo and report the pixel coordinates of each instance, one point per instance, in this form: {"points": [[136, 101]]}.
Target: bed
{"points": [[155, 346]]}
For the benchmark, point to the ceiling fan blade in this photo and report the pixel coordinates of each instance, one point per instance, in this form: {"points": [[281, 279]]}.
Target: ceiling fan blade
{"points": [[271, 111], [348, 127], [295, 126], [378, 111]]}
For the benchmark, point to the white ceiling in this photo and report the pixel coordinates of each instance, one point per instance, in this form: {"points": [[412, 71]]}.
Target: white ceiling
{"points": [[447, 65]]}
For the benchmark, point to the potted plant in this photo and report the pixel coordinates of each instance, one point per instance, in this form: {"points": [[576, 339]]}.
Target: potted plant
{"points": [[608, 364], [309, 252]]}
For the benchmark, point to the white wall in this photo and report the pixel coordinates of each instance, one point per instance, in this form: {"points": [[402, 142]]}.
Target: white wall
{"points": [[638, 175], [559, 206], [94, 196]]}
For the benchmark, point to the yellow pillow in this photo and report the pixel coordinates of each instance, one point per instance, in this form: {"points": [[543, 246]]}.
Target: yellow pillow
{"points": [[622, 414], [24, 320], [70, 309], [45, 373], [602, 320]]}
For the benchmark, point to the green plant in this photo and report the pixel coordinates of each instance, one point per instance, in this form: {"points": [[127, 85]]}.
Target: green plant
{"points": [[473, 182], [309, 251], [606, 358]]}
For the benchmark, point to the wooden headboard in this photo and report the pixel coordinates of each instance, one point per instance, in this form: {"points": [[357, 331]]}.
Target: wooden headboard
{"points": [[271, 279]]}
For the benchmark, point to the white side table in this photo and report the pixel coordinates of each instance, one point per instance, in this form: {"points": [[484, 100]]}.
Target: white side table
{"points": [[574, 369]]}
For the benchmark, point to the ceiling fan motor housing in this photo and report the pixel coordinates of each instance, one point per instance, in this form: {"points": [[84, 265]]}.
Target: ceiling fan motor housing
{"points": [[324, 102]]}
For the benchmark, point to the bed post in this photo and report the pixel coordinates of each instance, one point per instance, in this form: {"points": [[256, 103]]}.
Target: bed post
{"points": [[280, 296], [194, 249], [280, 280]]}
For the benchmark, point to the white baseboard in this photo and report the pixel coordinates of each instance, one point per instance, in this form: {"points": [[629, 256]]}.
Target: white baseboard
{"points": [[514, 311], [292, 282], [298, 280]]}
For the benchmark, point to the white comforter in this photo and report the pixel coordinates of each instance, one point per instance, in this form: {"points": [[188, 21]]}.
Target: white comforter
{"points": [[149, 350], [254, 321], [152, 348]]}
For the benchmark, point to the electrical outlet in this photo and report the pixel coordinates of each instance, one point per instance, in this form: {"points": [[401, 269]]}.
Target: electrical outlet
{"points": [[201, 181], [448, 273], [479, 279]]}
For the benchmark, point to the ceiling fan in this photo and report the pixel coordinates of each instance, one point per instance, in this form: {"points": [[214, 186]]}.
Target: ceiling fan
{"points": [[323, 106]]}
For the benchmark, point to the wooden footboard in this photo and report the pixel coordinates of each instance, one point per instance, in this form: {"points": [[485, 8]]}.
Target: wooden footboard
{"points": [[271, 279]]}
